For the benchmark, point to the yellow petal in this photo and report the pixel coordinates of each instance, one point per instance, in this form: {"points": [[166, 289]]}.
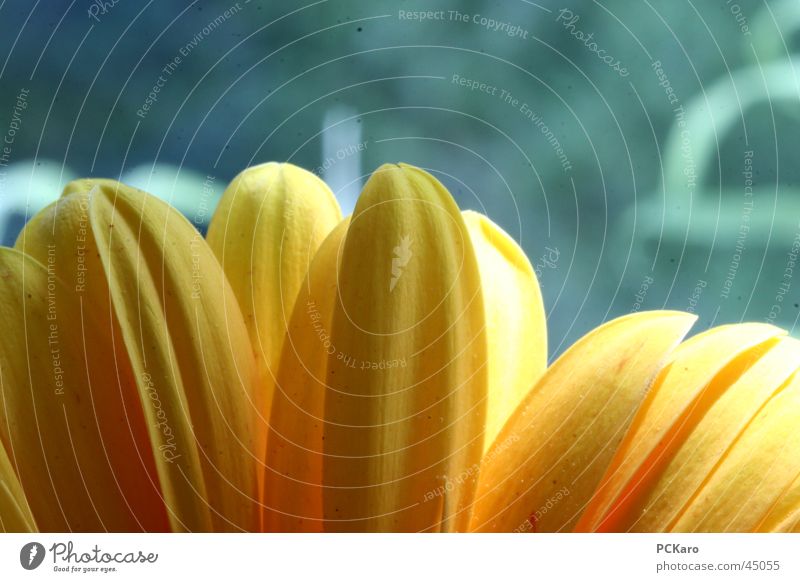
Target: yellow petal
{"points": [[60, 237], [191, 356], [405, 403], [15, 513], [550, 456], [69, 417], [784, 515], [293, 484], [706, 432], [265, 231], [722, 352], [516, 325], [753, 473], [86, 185]]}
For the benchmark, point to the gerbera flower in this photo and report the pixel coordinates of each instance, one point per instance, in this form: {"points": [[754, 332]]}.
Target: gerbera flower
{"points": [[383, 372]]}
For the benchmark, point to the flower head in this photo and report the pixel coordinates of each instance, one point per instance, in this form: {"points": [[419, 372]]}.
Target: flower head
{"points": [[297, 371]]}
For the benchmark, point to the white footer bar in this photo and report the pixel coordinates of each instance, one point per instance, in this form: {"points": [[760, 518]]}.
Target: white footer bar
{"points": [[389, 557]]}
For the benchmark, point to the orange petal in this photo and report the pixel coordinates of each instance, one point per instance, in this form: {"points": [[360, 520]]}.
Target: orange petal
{"points": [[516, 325], [722, 352], [293, 484], [690, 451], [549, 458], [407, 383]]}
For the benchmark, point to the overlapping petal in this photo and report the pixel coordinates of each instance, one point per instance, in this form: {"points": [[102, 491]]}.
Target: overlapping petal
{"points": [[719, 355], [516, 325], [731, 444], [175, 332], [753, 473], [270, 222], [547, 461], [406, 375], [386, 372], [293, 482], [15, 513], [784, 515], [69, 419]]}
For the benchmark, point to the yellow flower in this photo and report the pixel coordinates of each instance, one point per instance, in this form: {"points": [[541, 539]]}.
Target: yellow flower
{"points": [[382, 372]]}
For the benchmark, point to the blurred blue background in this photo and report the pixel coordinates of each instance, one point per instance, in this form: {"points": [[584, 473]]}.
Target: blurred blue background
{"points": [[644, 154]]}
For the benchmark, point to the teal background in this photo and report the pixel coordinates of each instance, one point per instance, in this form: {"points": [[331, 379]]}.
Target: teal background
{"points": [[650, 214]]}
